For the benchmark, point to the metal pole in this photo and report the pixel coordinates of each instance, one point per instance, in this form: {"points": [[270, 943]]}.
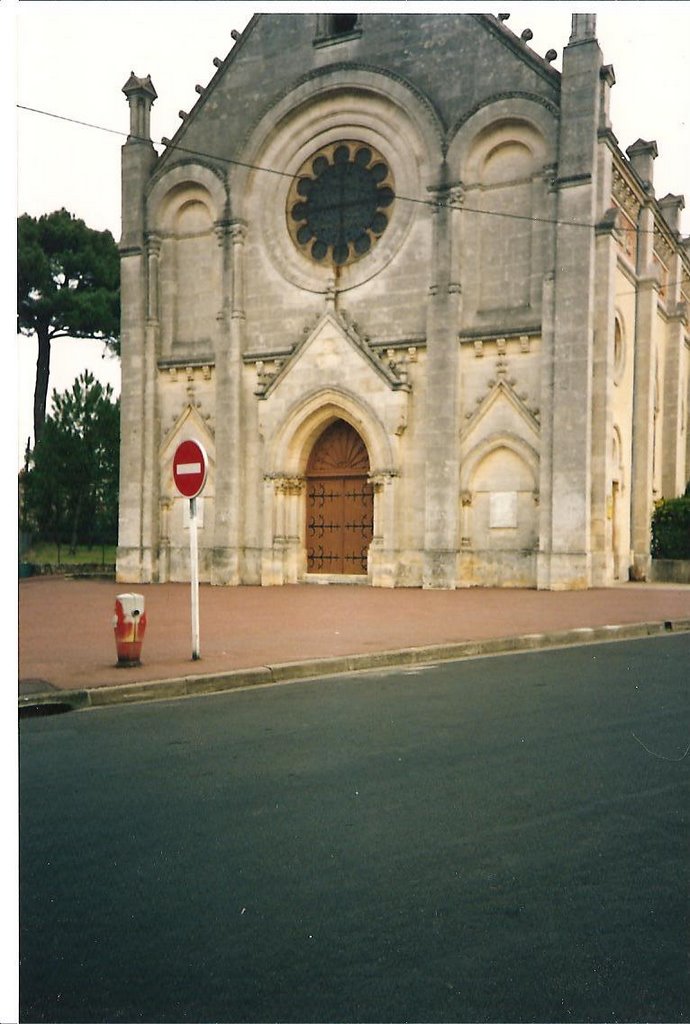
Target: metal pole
{"points": [[194, 560]]}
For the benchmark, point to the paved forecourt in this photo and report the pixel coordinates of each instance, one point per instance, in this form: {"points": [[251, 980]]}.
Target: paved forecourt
{"points": [[254, 635]]}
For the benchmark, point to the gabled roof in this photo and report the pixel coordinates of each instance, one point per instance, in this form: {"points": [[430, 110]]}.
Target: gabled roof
{"points": [[405, 63], [348, 332], [518, 45], [221, 66]]}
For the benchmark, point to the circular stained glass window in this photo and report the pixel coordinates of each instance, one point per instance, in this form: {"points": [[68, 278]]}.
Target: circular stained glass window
{"points": [[340, 203]]}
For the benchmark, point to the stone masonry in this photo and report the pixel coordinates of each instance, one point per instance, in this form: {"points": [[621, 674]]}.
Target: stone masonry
{"points": [[415, 225]]}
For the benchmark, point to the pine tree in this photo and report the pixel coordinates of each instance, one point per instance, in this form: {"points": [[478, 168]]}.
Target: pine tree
{"points": [[68, 286]]}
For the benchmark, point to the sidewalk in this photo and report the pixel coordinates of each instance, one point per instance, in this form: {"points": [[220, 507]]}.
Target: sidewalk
{"points": [[254, 635]]}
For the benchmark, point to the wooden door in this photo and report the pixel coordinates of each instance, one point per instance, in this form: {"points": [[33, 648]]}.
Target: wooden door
{"points": [[340, 503]]}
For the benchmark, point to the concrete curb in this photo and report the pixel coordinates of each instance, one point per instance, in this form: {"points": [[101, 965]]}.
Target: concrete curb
{"points": [[196, 685]]}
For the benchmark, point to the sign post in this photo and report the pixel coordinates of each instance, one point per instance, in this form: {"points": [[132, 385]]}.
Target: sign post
{"points": [[190, 467]]}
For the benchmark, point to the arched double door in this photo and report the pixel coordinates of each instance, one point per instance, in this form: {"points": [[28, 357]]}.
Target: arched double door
{"points": [[340, 503]]}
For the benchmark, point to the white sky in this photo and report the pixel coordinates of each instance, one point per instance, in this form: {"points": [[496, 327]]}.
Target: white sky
{"points": [[72, 59]]}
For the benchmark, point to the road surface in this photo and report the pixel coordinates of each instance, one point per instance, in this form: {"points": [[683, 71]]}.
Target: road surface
{"points": [[503, 839]]}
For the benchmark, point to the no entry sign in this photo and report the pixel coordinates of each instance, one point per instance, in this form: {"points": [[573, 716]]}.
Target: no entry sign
{"points": [[189, 468], [189, 473]]}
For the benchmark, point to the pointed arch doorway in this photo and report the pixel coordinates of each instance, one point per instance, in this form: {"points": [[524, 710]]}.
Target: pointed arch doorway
{"points": [[340, 503]]}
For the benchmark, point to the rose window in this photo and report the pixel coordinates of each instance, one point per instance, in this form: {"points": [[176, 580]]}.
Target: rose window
{"points": [[340, 203]]}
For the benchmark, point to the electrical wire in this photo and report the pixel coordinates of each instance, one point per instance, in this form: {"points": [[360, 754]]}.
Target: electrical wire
{"points": [[431, 203], [434, 203]]}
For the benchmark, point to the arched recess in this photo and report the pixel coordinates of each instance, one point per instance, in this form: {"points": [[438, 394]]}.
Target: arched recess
{"points": [[471, 139], [524, 451], [339, 515], [619, 348], [500, 154], [352, 103], [167, 191], [288, 451], [500, 523], [620, 519], [290, 444], [183, 208]]}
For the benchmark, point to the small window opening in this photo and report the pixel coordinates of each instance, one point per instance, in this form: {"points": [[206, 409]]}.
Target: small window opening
{"points": [[343, 23], [331, 28]]}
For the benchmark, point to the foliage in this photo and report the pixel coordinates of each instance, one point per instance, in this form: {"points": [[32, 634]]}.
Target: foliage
{"points": [[671, 527], [69, 486], [68, 285], [48, 553]]}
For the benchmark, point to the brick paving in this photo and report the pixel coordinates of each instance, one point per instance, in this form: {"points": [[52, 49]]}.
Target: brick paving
{"points": [[66, 638]]}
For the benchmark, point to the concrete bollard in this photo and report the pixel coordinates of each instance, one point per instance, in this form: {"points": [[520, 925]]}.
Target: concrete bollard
{"points": [[129, 623]]}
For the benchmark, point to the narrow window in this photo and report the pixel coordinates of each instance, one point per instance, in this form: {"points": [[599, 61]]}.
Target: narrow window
{"points": [[334, 28], [341, 24]]}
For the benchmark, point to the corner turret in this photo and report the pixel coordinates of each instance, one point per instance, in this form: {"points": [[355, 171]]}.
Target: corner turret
{"points": [[141, 96], [642, 155], [138, 158]]}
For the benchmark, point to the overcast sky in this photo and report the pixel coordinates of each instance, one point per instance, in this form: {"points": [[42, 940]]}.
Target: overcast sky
{"points": [[72, 60]]}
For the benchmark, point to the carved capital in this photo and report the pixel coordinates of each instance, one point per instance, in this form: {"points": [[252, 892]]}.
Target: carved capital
{"points": [[222, 230], [381, 479], [238, 232], [153, 244], [624, 195], [456, 196], [286, 485]]}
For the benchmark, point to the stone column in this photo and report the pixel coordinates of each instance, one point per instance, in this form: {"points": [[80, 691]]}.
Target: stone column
{"points": [[441, 429], [673, 468], [382, 559], [138, 160], [221, 555], [571, 413], [274, 542], [606, 255], [166, 505], [645, 356], [295, 559], [675, 473], [602, 411], [151, 480], [227, 529]]}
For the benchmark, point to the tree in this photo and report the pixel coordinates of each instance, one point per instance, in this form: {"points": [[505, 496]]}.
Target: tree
{"points": [[68, 285], [70, 483], [671, 527]]}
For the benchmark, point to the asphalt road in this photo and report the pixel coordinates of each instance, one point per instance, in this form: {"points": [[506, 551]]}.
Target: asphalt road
{"points": [[502, 839]]}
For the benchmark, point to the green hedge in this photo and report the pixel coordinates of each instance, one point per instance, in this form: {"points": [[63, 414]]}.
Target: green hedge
{"points": [[671, 528]]}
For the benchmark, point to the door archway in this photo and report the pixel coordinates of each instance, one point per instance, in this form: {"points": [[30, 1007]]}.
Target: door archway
{"points": [[340, 503]]}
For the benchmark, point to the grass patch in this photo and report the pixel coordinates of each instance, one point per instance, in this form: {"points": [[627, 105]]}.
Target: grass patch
{"points": [[48, 554]]}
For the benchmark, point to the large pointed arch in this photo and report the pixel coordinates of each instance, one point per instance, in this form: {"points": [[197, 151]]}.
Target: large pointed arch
{"points": [[339, 511], [285, 557], [289, 448]]}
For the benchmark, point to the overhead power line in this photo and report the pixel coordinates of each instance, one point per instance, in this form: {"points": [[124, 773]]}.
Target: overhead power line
{"points": [[217, 158]]}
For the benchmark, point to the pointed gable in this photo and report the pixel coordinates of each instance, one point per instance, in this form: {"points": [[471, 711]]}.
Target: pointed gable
{"points": [[331, 352], [188, 426], [443, 58], [501, 411]]}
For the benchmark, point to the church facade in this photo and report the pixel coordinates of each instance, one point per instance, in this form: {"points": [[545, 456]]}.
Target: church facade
{"points": [[428, 321]]}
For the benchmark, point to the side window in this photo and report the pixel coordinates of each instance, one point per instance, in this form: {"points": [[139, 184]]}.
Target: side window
{"points": [[335, 28]]}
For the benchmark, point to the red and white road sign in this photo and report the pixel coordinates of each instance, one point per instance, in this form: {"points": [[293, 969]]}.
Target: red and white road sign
{"points": [[190, 466]]}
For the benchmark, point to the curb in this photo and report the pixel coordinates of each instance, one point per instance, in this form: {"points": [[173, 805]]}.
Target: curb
{"points": [[197, 685]]}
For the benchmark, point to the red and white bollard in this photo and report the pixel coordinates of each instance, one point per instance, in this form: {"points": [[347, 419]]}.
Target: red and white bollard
{"points": [[129, 623]]}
